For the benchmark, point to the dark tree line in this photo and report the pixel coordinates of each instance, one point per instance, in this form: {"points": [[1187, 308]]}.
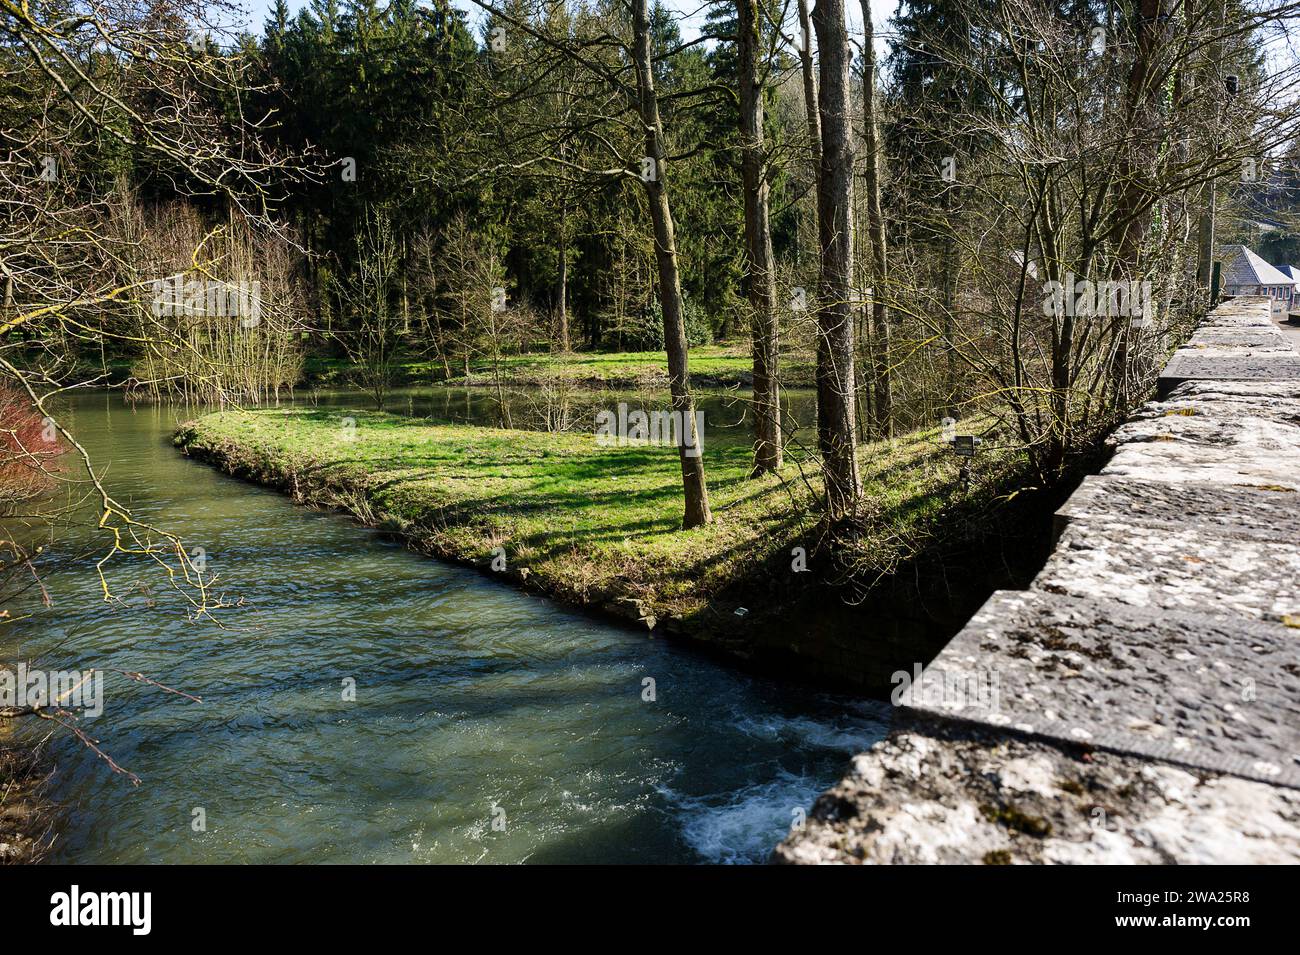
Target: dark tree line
{"points": [[580, 176]]}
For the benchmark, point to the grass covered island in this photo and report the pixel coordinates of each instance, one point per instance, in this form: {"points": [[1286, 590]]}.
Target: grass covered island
{"points": [[599, 526]]}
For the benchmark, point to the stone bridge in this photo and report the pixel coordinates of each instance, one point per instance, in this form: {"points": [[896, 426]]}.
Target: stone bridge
{"points": [[1140, 702]]}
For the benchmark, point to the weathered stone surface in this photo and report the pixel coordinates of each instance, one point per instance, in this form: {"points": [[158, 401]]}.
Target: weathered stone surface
{"points": [[1257, 428], [1244, 311], [1214, 692], [1250, 336], [1249, 366], [1234, 346], [1187, 568], [952, 794], [1251, 452], [1222, 407], [1236, 342], [1141, 701], [1224, 510], [1236, 389]]}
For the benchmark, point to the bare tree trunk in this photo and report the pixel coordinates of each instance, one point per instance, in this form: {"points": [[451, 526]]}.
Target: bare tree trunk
{"points": [[810, 85], [7, 305], [406, 301], [758, 245], [1205, 257], [836, 433], [880, 351], [1144, 89], [563, 317], [810, 103], [433, 316], [951, 269], [696, 490]]}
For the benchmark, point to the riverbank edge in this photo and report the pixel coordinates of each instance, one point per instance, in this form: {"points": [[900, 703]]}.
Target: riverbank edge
{"points": [[27, 811], [757, 620], [353, 501]]}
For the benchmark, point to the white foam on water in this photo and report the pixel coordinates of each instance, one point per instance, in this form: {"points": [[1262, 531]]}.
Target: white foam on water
{"points": [[742, 827], [847, 734]]}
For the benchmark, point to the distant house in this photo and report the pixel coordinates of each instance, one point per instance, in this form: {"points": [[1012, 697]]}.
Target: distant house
{"points": [[1247, 274], [1293, 273]]}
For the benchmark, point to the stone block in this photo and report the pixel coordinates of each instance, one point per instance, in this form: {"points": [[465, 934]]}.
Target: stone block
{"points": [[1223, 510], [1211, 692], [1186, 568]]}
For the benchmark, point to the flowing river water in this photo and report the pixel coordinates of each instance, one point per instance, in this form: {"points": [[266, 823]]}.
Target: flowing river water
{"points": [[488, 725]]}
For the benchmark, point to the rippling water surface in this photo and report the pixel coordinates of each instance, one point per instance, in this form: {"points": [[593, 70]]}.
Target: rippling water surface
{"points": [[474, 702]]}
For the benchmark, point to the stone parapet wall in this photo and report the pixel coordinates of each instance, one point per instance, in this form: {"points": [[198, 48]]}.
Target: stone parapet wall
{"points": [[1140, 702]]}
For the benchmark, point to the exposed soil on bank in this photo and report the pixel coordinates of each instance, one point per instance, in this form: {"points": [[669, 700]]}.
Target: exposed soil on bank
{"points": [[26, 811]]}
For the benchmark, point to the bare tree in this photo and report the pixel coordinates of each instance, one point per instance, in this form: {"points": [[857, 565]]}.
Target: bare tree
{"points": [[670, 284], [131, 74], [836, 424], [621, 113], [1076, 234], [369, 295], [130, 77], [809, 74], [758, 242], [880, 351]]}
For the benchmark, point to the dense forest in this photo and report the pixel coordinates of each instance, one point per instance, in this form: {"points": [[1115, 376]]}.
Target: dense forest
{"points": [[413, 196]]}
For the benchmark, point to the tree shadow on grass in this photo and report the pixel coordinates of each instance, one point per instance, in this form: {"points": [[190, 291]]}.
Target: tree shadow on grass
{"points": [[597, 499]]}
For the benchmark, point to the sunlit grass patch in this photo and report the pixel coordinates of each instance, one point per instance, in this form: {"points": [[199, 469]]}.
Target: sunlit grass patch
{"points": [[585, 522]]}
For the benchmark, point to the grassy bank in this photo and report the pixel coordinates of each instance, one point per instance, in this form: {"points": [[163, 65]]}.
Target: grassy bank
{"points": [[711, 366], [594, 526]]}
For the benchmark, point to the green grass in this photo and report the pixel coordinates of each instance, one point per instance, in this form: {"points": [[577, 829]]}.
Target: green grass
{"points": [[720, 365], [585, 523]]}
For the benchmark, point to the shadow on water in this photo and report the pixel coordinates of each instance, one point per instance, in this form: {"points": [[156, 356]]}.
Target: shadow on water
{"points": [[488, 725]]}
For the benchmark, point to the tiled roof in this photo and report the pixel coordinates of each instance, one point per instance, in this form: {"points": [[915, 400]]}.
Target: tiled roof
{"points": [[1247, 268]]}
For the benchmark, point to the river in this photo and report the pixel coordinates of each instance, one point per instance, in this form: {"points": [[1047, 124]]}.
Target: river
{"points": [[488, 725]]}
